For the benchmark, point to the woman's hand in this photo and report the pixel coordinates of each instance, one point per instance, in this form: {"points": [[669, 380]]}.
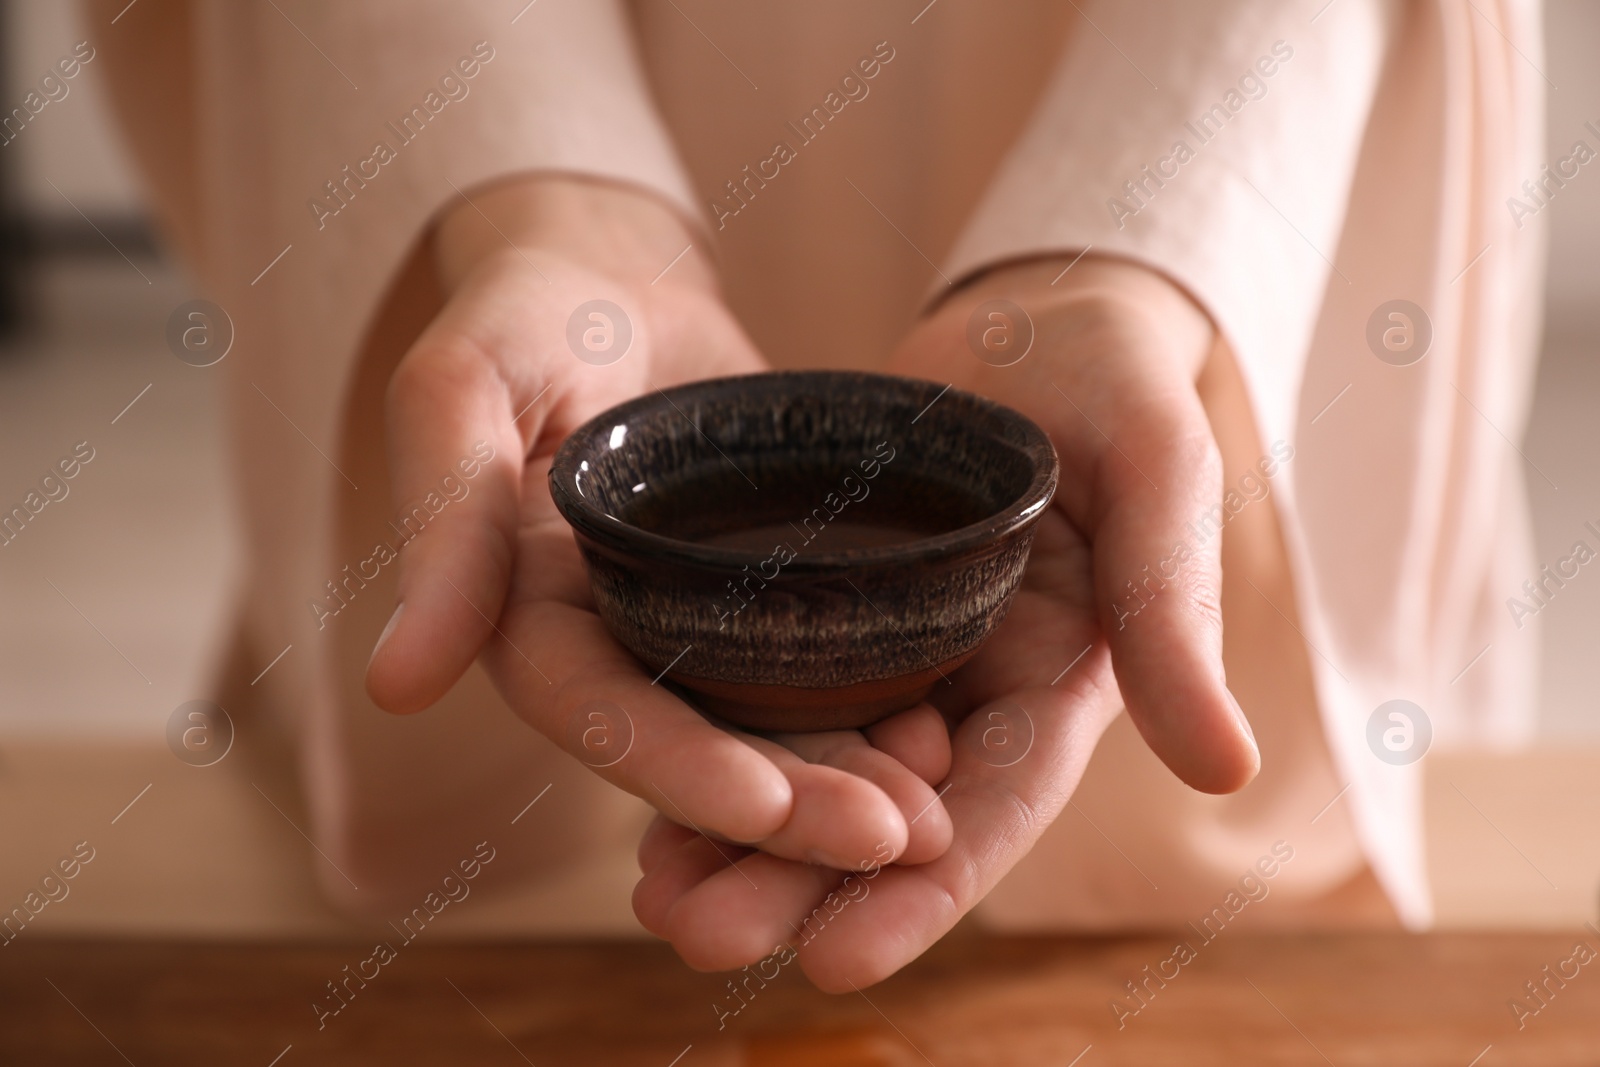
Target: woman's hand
{"points": [[1111, 377], [515, 361]]}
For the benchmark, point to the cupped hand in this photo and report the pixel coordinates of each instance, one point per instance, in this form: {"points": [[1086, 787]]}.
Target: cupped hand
{"points": [[520, 356], [1119, 606]]}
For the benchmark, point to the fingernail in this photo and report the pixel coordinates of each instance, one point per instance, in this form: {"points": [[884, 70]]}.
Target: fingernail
{"points": [[388, 629], [822, 858], [1238, 713]]}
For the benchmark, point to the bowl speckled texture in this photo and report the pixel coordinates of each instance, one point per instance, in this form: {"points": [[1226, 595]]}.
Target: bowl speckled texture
{"points": [[805, 550]]}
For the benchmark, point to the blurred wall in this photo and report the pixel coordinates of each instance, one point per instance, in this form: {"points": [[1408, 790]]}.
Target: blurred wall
{"points": [[71, 142], [1572, 36]]}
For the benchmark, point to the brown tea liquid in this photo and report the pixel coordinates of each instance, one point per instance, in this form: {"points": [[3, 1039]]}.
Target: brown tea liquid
{"points": [[809, 509]]}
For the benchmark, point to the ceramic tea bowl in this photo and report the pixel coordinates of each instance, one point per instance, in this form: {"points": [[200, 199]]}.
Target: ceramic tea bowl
{"points": [[805, 550]]}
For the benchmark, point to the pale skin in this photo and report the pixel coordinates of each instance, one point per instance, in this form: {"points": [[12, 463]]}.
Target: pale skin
{"points": [[795, 813]]}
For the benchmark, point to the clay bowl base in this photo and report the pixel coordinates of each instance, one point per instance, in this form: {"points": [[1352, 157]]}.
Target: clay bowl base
{"points": [[796, 709]]}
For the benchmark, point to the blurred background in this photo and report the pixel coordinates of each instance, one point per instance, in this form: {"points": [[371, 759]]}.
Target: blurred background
{"points": [[117, 599]]}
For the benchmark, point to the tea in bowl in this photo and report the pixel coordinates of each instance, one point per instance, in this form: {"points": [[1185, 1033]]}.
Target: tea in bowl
{"points": [[805, 550]]}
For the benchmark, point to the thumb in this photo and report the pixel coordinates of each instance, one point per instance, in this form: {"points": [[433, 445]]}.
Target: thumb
{"points": [[456, 461], [1159, 585]]}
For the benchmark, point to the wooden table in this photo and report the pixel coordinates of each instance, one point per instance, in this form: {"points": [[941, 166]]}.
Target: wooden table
{"points": [[1344, 999]]}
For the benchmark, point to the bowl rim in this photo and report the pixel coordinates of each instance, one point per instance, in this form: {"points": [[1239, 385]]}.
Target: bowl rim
{"points": [[638, 543]]}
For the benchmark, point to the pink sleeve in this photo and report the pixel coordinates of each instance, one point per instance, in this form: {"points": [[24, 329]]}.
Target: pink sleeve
{"points": [[1215, 143], [553, 86]]}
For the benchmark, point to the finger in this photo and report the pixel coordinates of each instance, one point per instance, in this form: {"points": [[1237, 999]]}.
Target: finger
{"points": [[455, 457], [1157, 584], [1112, 381], [479, 388], [559, 668], [998, 813], [926, 831], [1142, 471], [1016, 758], [840, 818], [737, 915], [692, 862], [735, 786], [659, 839], [918, 738], [561, 672]]}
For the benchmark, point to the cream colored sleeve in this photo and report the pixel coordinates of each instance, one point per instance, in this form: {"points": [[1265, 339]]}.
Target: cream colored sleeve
{"points": [[561, 90], [1214, 142]]}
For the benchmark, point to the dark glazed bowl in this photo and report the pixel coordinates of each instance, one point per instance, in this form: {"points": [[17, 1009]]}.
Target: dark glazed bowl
{"points": [[805, 550]]}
